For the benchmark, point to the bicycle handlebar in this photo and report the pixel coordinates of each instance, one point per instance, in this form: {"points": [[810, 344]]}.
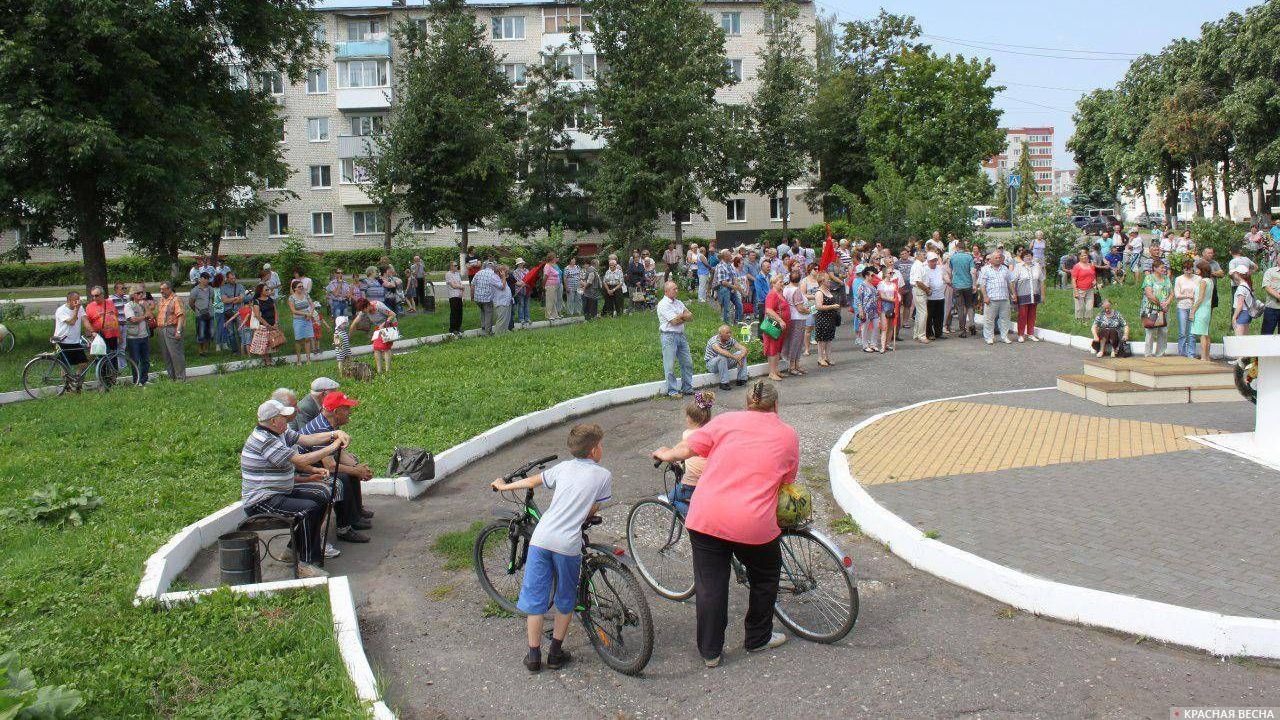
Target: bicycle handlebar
{"points": [[523, 470]]}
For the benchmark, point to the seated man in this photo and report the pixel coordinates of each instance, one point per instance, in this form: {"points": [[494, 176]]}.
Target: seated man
{"points": [[280, 480], [726, 357], [1110, 332], [310, 405], [350, 472]]}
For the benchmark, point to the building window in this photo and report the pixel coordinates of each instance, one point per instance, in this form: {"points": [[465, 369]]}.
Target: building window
{"points": [[362, 29], [508, 27], [736, 210], [352, 171], [1042, 150], [367, 222], [272, 82], [771, 23], [421, 227], [319, 33], [583, 118], [564, 19], [362, 73], [318, 81], [1044, 163], [278, 224], [576, 67], [681, 216], [515, 73], [234, 233], [320, 177], [731, 22], [738, 115], [734, 67], [318, 129], [366, 125], [778, 206], [281, 135], [322, 223]]}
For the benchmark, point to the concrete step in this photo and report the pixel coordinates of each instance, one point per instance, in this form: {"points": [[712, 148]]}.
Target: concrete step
{"points": [[1185, 374], [1114, 369], [1114, 394], [1219, 393]]}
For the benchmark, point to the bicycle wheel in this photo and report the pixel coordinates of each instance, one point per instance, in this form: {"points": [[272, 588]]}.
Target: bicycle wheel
{"points": [[6, 342], [817, 598], [657, 539], [499, 556], [615, 614], [109, 375], [44, 371]]}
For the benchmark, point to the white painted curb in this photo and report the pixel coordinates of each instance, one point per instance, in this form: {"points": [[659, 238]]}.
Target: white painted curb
{"points": [[489, 441], [403, 345], [1080, 342], [1223, 635]]}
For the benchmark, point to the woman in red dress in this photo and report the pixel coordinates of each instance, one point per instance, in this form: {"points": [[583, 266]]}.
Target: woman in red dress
{"points": [[776, 308]]}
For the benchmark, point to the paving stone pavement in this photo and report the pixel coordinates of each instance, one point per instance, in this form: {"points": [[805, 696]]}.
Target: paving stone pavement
{"points": [[1189, 527]]}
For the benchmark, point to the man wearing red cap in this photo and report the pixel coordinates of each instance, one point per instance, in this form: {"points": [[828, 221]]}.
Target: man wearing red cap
{"points": [[350, 472]]}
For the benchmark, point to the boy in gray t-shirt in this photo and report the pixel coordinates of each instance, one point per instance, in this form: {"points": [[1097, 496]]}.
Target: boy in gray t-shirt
{"points": [[555, 550]]}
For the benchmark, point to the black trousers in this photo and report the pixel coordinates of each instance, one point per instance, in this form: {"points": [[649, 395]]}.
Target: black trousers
{"points": [[307, 503], [613, 303], [933, 324], [455, 314], [711, 575], [347, 510], [422, 294], [589, 305]]}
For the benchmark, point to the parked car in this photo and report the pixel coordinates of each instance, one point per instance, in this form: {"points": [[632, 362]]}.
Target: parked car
{"points": [[1098, 224], [1150, 220], [995, 222], [1080, 220]]}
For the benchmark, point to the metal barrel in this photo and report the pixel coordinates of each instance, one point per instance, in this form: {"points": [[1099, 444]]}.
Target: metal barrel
{"points": [[238, 558]]}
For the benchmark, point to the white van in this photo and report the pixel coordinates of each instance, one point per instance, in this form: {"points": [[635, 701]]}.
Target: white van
{"points": [[978, 214]]}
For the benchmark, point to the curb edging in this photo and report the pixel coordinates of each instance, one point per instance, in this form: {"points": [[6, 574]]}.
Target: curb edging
{"points": [[1220, 634]]}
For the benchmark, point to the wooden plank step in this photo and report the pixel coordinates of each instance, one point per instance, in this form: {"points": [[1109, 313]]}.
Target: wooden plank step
{"points": [[1217, 393], [1114, 394], [1114, 369], [1183, 375]]}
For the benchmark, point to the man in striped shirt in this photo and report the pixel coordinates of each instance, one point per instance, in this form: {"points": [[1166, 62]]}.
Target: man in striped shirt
{"points": [[726, 357], [726, 295], [279, 480]]}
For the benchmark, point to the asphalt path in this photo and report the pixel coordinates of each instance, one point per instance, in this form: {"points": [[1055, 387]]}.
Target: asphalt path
{"points": [[921, 647]]}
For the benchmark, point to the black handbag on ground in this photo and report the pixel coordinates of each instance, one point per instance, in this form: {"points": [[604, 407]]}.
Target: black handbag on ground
{"points": [[418, 464]]}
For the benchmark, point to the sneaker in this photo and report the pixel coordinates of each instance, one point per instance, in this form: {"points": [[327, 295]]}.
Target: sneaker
{"points": [[361, 524], [741, 383], [307, 570], [330, 551], [775, 640], [713, 662], [725, 386], [1034, 338], [673, 395], [533, 663], [555, 661], [991, 342], [1006, 340], [1021, 339], [352, 536], [366, 513]]}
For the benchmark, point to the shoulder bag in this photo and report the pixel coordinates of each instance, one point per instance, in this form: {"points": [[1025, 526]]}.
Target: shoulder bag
{"points": [[418, 464]]}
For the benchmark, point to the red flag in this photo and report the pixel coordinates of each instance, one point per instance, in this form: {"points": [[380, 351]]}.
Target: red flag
{"points": [[828, 252], [531, 277]]}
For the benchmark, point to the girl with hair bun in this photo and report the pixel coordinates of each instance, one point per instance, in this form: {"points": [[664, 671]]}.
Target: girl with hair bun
{"points": [[696, 414]]}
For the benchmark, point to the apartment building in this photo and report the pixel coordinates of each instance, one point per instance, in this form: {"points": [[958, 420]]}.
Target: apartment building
{"points": [[1039, 142], [328, 119]]}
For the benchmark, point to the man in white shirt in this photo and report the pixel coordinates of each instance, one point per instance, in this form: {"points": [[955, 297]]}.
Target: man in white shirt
{"points": [[993, 284], [919, 298], [70, 329], [672, 316]]}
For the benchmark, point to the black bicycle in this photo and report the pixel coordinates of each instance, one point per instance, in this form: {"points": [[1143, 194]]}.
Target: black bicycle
{"points": [[53, 373], [817, 593], [611, 603]]}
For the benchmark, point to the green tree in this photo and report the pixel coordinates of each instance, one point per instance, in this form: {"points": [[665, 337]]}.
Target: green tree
{"points": [[98, 103], [894, 208], [452, 129], [551, 194], [780, 109], [1027, 189], [1000, 196], [665, 134]]}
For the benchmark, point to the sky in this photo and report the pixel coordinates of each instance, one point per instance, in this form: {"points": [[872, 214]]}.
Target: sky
{"points": [[1043, 90]]}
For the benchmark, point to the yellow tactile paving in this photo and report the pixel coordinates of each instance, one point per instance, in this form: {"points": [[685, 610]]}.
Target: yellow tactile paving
{"points": [[957, 438]]}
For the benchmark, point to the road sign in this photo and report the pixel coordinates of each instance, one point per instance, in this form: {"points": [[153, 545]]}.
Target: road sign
{"points": [[1185, 196], [1015, 181]]}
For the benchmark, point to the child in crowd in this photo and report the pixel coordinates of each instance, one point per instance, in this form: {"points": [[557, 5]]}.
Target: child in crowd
{"points": [[341, 339], [381, 350], [555, 549], [240, 322], [696, 414]]}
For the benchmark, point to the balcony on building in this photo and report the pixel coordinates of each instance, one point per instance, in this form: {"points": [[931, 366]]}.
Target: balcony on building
{"points": [[354, 146], [351, 194], [376, 45], [363, 98]]}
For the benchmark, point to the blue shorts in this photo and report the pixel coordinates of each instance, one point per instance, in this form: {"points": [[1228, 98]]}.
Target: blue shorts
{"points": [[542, 569]]}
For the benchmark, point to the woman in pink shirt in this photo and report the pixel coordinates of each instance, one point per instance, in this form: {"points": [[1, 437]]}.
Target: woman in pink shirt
{"points": [[734, 514]]}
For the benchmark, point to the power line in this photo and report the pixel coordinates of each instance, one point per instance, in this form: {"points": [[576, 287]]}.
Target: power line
{"points": [[1036, 104], [1034, 47], [1026, 54], [1046, 87]]}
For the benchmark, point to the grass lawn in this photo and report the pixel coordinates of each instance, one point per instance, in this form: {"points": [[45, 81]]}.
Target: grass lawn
{"points": [[164, 456], [31, 336], [1058, 313]]}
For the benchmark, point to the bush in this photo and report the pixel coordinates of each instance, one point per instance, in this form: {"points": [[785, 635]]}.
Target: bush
{"points": [[52, 505], [1220, 234]]}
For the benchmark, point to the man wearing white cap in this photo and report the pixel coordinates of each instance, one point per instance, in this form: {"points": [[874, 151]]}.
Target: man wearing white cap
{"points": [[310, 405], [279, 480], [935, 282]]}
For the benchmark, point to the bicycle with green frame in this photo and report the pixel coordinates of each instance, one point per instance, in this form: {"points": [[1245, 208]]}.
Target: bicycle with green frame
{"points": [[611, 603], [53, 373]]}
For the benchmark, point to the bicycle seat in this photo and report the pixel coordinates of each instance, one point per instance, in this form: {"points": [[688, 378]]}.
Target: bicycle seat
{"points": [[593, 520]]}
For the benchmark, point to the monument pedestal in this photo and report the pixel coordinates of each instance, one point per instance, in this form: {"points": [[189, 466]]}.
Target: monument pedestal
{"points": [[1263, 444]]}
